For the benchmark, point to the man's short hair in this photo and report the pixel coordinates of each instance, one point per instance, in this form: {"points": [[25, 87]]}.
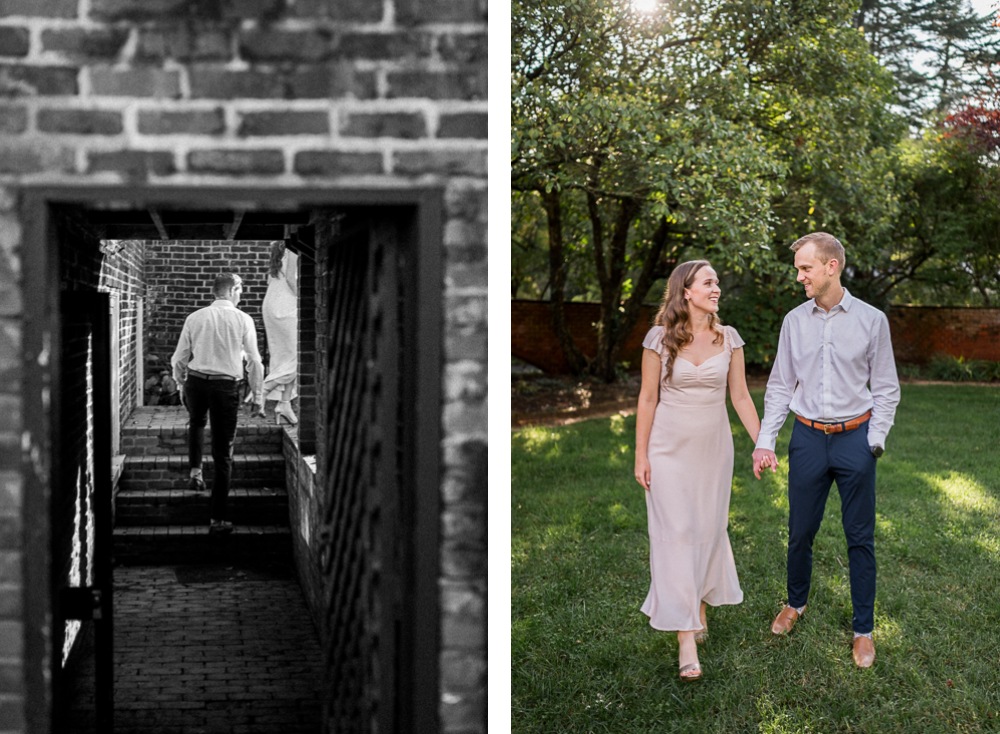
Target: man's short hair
{"points": [[224, 282], [828, 248]]}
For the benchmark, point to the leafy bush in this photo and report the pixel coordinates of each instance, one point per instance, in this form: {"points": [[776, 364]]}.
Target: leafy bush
{"points": [[756, 305], [959, 369]]}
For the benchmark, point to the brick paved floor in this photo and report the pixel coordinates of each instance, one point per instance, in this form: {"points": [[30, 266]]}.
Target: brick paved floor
{"points": [[208, 649]]}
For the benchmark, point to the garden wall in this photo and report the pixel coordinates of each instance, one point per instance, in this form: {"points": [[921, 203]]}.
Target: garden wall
{"points": [[533, 339], [918, 333], [179, 277]]}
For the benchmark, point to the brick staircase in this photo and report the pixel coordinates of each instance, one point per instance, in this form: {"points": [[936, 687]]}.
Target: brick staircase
{"points": [[158, 520]]}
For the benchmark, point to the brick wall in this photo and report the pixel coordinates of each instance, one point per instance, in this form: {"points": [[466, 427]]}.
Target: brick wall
{"points": [[310, 93], [12, 480], [118, 271], [918, 333], [533, 339], [179, 277], [88, 264]]}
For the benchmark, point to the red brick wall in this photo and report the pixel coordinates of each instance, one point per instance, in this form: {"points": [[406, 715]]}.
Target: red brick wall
{"points": [[533, 339], [918, 333]]}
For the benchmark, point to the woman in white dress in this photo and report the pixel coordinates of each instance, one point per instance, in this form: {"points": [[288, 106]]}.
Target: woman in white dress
{"points": [[684, 456], [280, 309]]}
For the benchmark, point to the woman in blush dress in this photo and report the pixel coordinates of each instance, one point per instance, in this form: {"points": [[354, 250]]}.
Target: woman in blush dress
{"points": [[684, 456], [280, 309]]}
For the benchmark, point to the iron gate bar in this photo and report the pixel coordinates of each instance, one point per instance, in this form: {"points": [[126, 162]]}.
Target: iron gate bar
{"points": [[104, 670]]}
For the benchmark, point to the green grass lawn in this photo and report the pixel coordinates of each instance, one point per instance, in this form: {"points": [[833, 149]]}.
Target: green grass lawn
{"points": [[584, 659]]}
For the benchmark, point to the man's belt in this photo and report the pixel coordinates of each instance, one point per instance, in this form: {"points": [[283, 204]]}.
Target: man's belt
{"points": [[202, 375], [829, 428]]}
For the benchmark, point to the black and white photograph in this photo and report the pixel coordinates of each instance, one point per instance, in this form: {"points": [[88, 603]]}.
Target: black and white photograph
{"points": [[243, 366]]}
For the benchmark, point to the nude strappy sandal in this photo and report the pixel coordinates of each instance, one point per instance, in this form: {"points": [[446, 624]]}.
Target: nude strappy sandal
{"points": [[691, 666]]}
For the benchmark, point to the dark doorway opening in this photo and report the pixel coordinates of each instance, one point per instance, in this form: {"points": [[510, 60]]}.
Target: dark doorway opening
{"points": [[369, 566]]}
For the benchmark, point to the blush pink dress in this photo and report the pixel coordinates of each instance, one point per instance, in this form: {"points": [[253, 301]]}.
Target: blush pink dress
{"points": [[691, 471]]}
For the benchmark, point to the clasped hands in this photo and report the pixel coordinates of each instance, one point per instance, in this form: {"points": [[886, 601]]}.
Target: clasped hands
{"points": [[255, 404], [764, 459]]}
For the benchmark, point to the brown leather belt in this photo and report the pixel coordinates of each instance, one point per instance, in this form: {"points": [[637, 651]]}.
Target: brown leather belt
{"points": [[829, 428], [204, 376]]}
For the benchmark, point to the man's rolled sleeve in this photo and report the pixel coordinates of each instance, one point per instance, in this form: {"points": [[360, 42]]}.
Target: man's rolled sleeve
{"points": [[182, 355], [884, 384], [777, 398], [255, 363]]}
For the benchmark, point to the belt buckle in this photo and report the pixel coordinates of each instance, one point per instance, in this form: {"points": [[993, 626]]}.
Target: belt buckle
{"points": [[828, 428]]}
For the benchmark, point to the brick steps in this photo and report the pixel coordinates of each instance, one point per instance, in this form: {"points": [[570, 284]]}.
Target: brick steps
{"points": [[155, 507], [176, 544], [160, 520], [171, 440], [173, 472]]}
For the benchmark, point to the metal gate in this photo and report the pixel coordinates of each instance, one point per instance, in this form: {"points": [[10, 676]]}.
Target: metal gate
{"points": [[362, 537], [85, 319]]}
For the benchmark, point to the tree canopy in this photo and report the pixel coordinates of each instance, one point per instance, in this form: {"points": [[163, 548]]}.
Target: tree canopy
{"points": [[714, 128]]}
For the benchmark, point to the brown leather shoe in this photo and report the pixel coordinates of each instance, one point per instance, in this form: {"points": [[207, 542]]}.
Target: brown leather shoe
{"points": [[864, 652], [785, 620]]}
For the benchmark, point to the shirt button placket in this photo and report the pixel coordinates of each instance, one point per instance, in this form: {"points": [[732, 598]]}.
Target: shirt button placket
{"points": [[827, 369]]}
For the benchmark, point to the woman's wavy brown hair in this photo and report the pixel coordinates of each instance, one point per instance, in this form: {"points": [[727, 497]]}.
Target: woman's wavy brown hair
{"points": [[674, 317], [277, 253]]}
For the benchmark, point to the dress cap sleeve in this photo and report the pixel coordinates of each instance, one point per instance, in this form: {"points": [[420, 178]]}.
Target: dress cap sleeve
{"points": [[654, 339], [735, 340]]}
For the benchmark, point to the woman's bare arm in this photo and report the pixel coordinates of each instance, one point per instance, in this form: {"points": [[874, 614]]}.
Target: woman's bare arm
{"points": [[649, 396]]}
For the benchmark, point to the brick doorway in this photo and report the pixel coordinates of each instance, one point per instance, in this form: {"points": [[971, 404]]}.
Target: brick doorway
{"points": [[365, 529]]}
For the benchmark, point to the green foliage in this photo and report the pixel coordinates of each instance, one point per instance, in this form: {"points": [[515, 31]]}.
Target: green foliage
{"points": [[528, 247], [756, 307], [936, 50], [959, 369], [945, 248], [584, 659], [719, 128]]}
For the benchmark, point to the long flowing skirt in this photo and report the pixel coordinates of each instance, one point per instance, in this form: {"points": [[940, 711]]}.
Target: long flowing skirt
{"points": [[280, 309]]}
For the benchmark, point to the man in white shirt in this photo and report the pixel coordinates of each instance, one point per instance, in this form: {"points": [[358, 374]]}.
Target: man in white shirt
{"points": [[830, 349], [208, 365]]}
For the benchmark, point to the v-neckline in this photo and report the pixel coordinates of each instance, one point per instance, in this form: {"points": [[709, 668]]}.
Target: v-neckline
{"points": [[696, 366]]}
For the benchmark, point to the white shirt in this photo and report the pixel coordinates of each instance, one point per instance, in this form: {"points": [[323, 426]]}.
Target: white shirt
{"points": [[823, 367], [214, 340]]}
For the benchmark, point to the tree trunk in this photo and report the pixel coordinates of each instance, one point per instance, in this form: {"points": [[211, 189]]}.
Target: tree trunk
{"points": [[578, 362], [618, 318]]}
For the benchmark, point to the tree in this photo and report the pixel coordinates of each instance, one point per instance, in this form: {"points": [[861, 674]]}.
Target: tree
{"points": [[948, 242], [935, 49], [676, 134]]}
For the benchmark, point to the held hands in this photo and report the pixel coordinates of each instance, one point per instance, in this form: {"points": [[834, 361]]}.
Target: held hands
{"points": [[764, 459], [642, 471], [255, 403]]}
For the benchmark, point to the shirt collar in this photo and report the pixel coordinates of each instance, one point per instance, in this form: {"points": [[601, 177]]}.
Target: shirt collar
{"points": [[845, 303], [223, 303]]}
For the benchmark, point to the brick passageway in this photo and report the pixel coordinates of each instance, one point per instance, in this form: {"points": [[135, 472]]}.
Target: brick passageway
{"points": [[208, 649], [212, 635]]}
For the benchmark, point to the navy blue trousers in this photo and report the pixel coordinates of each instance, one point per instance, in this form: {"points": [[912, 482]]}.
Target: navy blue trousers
{"points": [[815, 461]]}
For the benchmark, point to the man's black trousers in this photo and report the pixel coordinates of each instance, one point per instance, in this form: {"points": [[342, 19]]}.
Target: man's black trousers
{"points": [[218, 401]]}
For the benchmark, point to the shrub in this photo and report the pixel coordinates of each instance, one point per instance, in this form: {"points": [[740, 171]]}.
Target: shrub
{"points": [[959, 369]]}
